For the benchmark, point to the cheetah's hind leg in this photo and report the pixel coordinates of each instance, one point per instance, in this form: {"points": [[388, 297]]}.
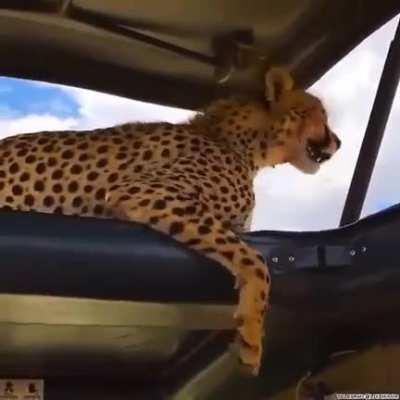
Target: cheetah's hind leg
{"points": [[188, 222]]}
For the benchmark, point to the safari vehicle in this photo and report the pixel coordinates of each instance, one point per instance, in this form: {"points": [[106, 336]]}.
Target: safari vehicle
{"points": [[102, 309]]}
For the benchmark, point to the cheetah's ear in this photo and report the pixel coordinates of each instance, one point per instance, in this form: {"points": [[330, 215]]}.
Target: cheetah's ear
{"points": [[277, 81]]}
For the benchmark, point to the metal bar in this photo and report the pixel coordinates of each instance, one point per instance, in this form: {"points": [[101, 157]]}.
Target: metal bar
{"points": [[35, 6], [65, 4], [374, 133], [111, 25]]}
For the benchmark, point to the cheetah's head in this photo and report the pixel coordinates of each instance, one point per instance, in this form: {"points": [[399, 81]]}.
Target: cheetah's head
{"points": [[308, 140]]}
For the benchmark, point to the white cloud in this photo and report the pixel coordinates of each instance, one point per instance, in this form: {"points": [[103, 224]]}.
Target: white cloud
{"points": [[104, 109], [101, 110], [35, 123], [95, 110]]}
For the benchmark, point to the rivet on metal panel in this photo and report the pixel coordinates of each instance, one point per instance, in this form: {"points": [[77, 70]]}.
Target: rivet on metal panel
{"points": [[352, 252], [291, 259]]}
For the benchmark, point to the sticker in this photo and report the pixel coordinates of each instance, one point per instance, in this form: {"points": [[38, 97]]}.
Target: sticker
{"points": [[21, 389]]}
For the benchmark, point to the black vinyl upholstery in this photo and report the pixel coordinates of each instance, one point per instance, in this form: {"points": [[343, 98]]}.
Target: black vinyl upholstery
{"points": [[108, 259]]}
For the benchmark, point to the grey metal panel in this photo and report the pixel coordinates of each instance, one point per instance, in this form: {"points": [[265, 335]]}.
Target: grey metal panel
{"points": [[85, 44], [57, 336]]}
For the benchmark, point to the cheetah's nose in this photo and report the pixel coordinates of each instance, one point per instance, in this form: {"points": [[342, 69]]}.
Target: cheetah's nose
{"points": [[337, 141]]}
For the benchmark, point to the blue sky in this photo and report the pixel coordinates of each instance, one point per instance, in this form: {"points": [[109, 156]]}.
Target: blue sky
{"points": [[21, 97], [286, 199]]}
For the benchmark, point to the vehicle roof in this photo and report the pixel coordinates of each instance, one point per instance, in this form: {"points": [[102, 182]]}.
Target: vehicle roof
{"points": [[180, 53]]}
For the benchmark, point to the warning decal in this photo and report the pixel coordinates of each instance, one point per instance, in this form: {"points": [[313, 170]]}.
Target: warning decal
{"points": [[21, 389]]}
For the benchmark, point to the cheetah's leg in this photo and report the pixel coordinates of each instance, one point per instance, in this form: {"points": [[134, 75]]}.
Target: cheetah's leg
{"points": [[189, 223]]}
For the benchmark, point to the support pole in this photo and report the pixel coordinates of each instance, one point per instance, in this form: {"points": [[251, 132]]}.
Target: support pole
{"points": [[374, 133]]}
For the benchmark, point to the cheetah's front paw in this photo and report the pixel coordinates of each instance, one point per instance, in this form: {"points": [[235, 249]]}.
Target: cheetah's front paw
{"points": [[253, 299], [250, 342]]}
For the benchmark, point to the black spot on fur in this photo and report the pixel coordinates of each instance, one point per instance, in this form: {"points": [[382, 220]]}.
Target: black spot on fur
{"points": [[159, 205], [228, 255], [176, 228]]}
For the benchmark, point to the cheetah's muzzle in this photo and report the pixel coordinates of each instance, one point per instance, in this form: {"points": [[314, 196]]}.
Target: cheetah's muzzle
{"points": [[315, 154]]}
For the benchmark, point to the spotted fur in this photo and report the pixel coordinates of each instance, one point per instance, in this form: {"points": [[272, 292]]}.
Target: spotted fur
{"points": [[192, 181]]}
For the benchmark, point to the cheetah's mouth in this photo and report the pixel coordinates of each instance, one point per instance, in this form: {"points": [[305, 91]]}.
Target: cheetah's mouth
{"points": [[315, 153]]}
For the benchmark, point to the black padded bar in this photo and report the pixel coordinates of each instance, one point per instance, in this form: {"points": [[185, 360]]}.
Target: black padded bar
{"points": [[107, 259], [374, 133]]}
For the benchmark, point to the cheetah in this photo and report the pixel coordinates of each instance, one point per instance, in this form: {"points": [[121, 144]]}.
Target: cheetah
{"points": [[192, 181]]}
